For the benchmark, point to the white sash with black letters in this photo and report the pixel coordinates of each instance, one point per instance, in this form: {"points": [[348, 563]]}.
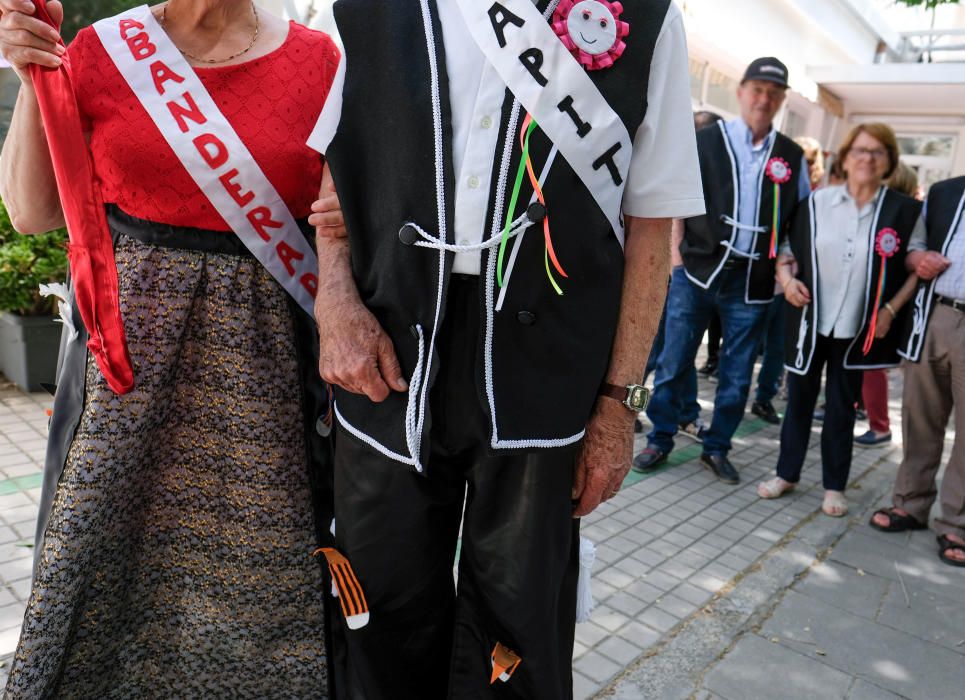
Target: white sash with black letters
{"points": [[210, 149], [555, 89]]}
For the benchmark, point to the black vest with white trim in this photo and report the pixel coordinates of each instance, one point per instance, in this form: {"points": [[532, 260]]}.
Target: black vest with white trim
{"points": [[946, 207], [702, 250], [542, 357], [895, 211]]}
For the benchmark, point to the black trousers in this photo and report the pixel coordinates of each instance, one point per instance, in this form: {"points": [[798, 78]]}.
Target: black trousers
{"points": [[519, 557], [837, 434]]}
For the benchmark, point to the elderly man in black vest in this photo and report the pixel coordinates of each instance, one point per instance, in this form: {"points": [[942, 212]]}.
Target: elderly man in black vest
{"points": [[508, 172], [934, 379], [753, 179]]}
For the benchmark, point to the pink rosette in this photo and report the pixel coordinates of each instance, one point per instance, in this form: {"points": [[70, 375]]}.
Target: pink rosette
{"points": [[778, 171], [592, 31], [887, 242]]}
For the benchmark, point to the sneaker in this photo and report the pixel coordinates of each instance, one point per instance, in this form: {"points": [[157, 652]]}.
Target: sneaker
{"points": [[861, 414], [765, 410], [649, 460], [870, 439], [695, 430], [709, 368]]}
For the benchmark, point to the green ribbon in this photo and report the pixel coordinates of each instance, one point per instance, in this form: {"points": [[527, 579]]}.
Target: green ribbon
{"points": [[512, 203]]}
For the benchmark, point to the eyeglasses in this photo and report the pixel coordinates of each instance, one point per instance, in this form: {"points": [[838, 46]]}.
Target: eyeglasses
{"points": [[873, 153]]}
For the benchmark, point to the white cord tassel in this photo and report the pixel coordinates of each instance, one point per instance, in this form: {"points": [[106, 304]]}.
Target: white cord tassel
{"points": [[59, 291], [584, 588]]}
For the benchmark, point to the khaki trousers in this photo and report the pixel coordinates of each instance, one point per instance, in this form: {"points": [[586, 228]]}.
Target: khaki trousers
{"points": [[932, 387]]}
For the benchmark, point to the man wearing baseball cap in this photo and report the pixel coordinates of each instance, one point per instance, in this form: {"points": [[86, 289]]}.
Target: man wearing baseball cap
{"points": [[753, 179]]}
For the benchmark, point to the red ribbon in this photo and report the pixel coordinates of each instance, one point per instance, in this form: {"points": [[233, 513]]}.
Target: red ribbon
{"points": [[91, 252]]}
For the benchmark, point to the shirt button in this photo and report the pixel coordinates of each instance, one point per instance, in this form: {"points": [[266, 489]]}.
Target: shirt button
{"points": [[464, 241], [486, 123], [473, 182]]}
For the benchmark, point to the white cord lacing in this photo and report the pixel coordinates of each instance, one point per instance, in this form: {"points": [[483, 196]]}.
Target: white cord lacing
{"points": [[737, 252], [436, 243]]}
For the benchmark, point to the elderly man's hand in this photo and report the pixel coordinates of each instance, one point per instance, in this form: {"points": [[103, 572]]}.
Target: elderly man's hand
{"points": [[931, 265], [605, 456], [355, 353]]}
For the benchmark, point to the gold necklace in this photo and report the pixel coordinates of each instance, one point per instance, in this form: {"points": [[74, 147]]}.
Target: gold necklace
{"points": [[254, 37]]}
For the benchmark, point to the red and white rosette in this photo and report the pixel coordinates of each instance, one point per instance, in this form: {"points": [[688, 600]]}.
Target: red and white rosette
{"points": [[887, 243], [778, 171]]}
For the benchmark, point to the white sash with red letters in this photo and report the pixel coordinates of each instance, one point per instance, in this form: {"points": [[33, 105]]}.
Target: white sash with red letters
{"points": [[557, 92], [210, 149]]}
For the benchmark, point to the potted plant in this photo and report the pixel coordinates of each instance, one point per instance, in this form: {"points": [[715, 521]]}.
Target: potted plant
{"points": [[29, 336]]}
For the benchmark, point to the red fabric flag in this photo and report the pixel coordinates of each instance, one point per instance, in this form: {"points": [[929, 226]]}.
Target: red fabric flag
{"points": [[91, 253]]}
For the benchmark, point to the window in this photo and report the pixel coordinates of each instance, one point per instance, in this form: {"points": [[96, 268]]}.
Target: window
{"points": [[722, 92], [795, 124], [932, 145], [697, 72]]}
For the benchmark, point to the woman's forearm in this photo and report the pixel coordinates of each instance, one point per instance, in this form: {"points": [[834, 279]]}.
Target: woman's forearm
{"points": [[27, 182], [785, 269], [904, 294]]}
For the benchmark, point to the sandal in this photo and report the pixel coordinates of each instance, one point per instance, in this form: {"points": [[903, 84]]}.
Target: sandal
{"points": [[774, 488], [896, 522], [944, 545], [835, 504]]}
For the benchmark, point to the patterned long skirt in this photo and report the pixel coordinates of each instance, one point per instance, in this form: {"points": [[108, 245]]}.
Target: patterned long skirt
{"points": [[175, 561]]}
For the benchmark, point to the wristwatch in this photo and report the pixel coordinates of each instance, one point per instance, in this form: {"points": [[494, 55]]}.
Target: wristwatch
{"points": [[634, 396]]}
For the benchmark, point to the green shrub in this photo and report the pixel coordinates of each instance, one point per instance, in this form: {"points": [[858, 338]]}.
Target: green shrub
{"points": [[26, 262]]}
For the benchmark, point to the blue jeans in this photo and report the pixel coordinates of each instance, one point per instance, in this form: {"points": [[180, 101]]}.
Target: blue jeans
{"points": [[772, 368], [688, 407], [688, 313]]}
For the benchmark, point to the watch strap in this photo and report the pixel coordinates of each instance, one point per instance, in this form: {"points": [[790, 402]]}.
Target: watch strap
{"points": [[614, 392]]}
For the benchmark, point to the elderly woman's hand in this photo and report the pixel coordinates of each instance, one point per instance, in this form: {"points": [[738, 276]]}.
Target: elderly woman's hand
{"points": [[885, 319], [797, 294], [327, 219], [25, 39]]}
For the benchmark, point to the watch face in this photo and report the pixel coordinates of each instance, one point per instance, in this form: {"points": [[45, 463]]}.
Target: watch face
{"points": [[637, 397]]}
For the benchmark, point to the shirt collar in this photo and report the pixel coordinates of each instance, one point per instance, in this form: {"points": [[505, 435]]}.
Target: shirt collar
{"points": [[842, 196], [747, 137]]}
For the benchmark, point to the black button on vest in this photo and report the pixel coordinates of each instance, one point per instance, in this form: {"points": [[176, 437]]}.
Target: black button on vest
{"points": [[408, 235], [527, 318]]}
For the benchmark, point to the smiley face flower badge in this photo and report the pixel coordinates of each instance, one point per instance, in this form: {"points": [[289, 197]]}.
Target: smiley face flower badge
{"points": [[592, 31]]}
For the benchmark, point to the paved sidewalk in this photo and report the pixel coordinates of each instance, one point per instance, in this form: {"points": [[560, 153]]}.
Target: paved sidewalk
{"points": [[23, 440], [702, 589]]}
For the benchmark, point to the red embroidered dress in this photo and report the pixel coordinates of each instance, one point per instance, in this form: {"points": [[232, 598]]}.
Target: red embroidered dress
{"points": [[272, 102]]}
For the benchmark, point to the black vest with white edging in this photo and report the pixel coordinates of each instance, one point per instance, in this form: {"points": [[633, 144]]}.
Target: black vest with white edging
{"points": [[541, 357], [707, 239], [946, 207], [895, 211]]}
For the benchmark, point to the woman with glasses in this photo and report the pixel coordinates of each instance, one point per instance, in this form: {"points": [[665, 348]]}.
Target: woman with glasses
{"points": [[849, 244]]}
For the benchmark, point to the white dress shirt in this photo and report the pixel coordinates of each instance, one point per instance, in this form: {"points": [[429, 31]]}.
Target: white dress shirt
{"points": [[664, 178], [842, 248]]}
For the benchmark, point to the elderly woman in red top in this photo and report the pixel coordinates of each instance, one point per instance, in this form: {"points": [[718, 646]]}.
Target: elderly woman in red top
{"points": [[179, 518]]}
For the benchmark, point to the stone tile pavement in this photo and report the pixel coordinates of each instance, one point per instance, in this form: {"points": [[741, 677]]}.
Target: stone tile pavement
{"points": [[702, 590], [23, 439]]}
